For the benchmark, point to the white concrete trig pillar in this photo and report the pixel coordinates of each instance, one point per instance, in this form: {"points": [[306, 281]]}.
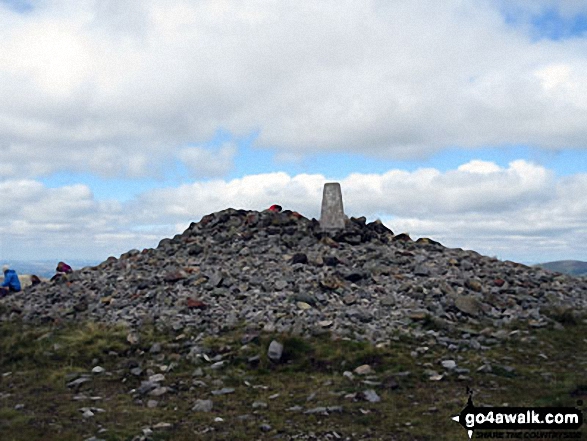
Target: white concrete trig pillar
{"points": [[332, 214]]}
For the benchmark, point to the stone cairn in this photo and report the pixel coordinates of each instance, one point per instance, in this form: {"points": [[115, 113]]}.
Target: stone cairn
{"points": [[281, 272]]}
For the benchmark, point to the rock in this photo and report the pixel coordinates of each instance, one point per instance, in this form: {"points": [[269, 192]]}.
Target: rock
{"points": [[418, 315], [354, 276], [275, 351], [468, 305], [474, 285], [349, 375], [371, 396], [75, 384], [98, 370], [146, 387], [349, 299], [137, 371], [195, 304], [280, 285], [299, 258], [202, 406], [499, 282], [364, 369], [157, 378], [362, 283], [133, 338], [388, 301], [175, 276], [402, 237], [448, 364], [303, 306], [265, 428], [421, 270], [158, 391], [324, 410], [331, 283], [218, 365], [305, 298], [223, 391], [330, 260]]}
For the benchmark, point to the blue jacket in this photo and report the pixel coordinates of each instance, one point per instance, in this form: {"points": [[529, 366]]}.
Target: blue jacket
{"points": [[11, 280]]}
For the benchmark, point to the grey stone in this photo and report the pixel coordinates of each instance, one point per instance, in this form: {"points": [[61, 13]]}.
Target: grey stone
{"points": [[158, 391], [146, 387], [157, 378], [78, 382], [275, 351], [468, 305], [202, 406], [371, 396], [220, 286], [448, 364], [223, 391]]}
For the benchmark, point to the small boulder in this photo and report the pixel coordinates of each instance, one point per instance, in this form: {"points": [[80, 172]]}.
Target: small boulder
{"points": [[202, 406], [275, 351]]}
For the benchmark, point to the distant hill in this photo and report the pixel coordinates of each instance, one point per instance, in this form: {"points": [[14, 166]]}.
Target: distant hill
{"points": [[572, 267], [44, 268]]}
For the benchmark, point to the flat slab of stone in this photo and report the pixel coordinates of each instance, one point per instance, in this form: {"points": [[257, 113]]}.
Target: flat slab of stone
{"points": [[332, 214]]}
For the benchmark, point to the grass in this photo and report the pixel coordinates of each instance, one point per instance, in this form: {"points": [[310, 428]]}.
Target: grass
{"points": [[538, 367]]}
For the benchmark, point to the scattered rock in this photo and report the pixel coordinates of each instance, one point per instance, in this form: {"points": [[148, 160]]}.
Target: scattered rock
{"points": [[299, 258], [223, 391], [364, 370], [280, 273], [448, 364], [468, 305], [275, 351], [371, 396], [202, 406]]}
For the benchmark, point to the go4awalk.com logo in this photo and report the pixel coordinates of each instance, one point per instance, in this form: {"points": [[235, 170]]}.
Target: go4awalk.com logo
{"points": [[520, 422]]}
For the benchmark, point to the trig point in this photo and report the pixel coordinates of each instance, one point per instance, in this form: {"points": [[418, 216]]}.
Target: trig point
{"points": [[332, 214]]}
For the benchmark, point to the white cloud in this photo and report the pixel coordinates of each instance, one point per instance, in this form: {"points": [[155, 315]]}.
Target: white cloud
{"points": [[522, 212], [136, 81], [208, 163], [480, 167], [38, 222]]}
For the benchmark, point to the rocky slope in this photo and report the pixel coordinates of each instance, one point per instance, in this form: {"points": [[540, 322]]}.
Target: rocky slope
{"points": [[279, 272]]}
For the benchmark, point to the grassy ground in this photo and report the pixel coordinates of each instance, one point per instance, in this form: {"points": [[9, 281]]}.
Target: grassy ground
{"points": [[38, 362]]}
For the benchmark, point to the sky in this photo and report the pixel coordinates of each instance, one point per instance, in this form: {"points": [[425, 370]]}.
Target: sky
{"points": [[122, 121]]}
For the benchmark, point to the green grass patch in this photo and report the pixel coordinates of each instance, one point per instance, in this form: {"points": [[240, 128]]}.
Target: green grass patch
{"points": [[535, 367]]}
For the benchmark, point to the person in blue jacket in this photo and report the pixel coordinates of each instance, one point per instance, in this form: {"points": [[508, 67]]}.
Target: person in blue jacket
{"points": [[11, 282]]}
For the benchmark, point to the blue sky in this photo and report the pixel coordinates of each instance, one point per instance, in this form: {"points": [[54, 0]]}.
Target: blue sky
{"points": [[461, 121]]}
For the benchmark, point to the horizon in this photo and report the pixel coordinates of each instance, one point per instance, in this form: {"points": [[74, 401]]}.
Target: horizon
{"points": [[464, 122]]}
